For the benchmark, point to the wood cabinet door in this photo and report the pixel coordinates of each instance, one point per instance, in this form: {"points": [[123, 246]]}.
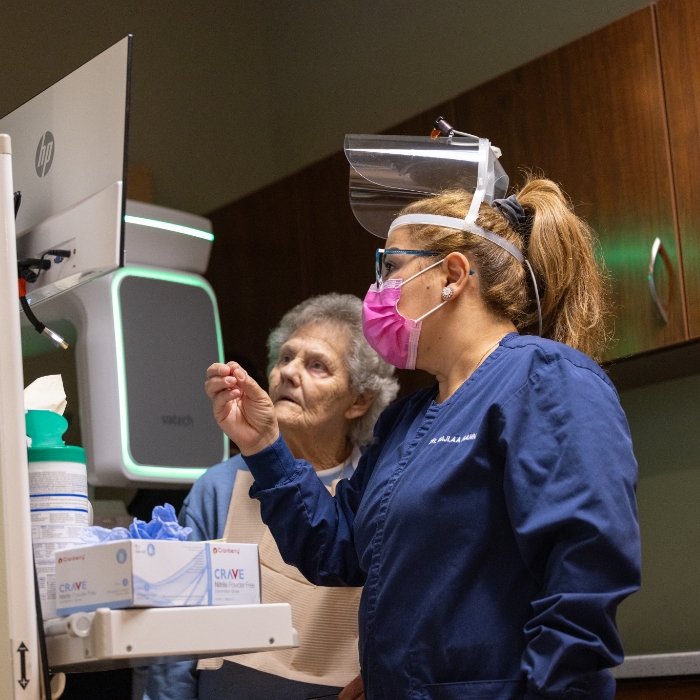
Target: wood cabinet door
{"points": [[679, 42], [658, 689], [591, 117]]}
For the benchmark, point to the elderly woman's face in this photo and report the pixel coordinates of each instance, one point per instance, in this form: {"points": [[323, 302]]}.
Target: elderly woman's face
{"points": [[309, 385]]}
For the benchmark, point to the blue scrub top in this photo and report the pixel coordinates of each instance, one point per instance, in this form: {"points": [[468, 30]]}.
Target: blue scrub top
{"points": [[494, 533]]}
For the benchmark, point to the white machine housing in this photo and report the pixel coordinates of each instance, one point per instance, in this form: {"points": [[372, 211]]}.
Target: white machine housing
{"points": [[167, 238], [144, 337]]}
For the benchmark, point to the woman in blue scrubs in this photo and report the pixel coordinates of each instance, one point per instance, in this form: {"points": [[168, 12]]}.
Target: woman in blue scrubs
{"points": [[492, 522]]}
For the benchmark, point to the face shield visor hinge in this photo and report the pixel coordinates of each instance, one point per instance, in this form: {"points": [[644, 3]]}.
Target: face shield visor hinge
{"points": [[441, 127]]}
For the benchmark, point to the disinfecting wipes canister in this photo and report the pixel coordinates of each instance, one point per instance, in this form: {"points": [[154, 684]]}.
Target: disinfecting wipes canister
{"points": [[58, 498]]}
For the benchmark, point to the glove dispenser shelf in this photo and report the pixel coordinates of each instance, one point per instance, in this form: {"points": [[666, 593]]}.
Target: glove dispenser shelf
{"points": [[107, 639]]}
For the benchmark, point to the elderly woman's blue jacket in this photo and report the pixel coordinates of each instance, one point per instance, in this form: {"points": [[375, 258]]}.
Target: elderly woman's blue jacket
{"points": [[494, 533]]}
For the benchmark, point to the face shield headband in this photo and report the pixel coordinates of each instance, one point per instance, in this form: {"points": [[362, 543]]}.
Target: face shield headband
{"points": [[465, 225]]}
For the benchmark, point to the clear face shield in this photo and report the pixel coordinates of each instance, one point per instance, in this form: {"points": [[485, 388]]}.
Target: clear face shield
{"points": [[387, 173]]}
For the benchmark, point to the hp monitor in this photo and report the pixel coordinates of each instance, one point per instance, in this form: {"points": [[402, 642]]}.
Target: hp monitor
{"points": [[69, 147]]}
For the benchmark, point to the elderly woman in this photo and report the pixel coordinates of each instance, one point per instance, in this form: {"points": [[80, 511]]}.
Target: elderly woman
{"points": [[328, 388]]}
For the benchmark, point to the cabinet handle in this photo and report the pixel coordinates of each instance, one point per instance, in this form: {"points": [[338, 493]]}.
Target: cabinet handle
{"points": [[657, 249]]}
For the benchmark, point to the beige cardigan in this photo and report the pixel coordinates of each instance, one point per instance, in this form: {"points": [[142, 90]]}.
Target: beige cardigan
{"points": [[325, 618]]}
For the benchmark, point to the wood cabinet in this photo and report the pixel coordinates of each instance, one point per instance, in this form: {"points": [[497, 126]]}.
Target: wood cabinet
{"points": [[679, 42], [659, 689], [591, 117]]}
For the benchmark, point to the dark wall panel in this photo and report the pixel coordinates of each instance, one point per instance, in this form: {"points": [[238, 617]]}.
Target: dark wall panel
{"points": [[590, 116]]}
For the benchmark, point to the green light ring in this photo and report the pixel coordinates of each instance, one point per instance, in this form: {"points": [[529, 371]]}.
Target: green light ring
{"points": [[150, 470], [167, 226]]}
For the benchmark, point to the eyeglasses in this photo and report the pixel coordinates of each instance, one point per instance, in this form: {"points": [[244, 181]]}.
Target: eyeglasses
{"points": [[380, 256]]}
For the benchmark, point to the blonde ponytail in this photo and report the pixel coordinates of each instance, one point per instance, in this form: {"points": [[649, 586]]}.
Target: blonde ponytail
{"points": [[573, 286], [561, 249]]}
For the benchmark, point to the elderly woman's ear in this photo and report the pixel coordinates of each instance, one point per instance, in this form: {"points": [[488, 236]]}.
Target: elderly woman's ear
{"points": [[360, 405]]}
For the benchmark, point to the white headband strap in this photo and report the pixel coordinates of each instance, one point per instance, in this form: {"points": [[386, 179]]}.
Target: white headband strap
{"points": [[460, 225]]}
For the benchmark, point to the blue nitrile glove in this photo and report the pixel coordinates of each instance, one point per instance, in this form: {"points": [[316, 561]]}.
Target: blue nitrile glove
{"points": [[163, 526]]}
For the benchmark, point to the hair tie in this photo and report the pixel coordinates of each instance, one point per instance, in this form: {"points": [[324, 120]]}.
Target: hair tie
{"points": [[515, 215]]}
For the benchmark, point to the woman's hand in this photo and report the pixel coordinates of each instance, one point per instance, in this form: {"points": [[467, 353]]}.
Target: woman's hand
{"points": [[241, 408]]}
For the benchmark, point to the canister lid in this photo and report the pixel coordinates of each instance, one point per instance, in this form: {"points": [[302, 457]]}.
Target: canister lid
{"points": [[46, 429]]}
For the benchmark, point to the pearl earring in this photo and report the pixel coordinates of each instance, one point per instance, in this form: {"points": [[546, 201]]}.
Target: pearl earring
{"points": [[447, 293]]}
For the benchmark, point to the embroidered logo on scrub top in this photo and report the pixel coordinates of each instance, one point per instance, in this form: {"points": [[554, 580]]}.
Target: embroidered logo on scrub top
{"points": [[453, 438]]}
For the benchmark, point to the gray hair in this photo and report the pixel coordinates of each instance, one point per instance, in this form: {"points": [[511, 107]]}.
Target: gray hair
{"points": [[368, 373]]}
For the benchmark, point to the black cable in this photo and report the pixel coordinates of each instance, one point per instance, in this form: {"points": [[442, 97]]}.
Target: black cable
{"points": [[25, 271], [30, 315], [30, 268], [54, 337], [42, 639], [27, 274], [59, 253]]}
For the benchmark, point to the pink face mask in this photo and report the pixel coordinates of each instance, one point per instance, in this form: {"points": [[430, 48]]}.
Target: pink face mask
{"points": [[392, 336]]}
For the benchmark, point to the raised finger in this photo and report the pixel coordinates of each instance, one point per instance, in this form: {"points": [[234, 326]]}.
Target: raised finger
{"points": [[218, 370], [248, 384], [215, 385], [221, 405]]}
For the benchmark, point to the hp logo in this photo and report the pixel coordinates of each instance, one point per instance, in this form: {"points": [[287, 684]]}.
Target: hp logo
{"points": [[121, 556], [44, 154]]}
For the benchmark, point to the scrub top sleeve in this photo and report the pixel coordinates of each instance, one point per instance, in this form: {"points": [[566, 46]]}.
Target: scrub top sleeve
{"points": [[272, 466], [569, 482], [312, 529]]}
